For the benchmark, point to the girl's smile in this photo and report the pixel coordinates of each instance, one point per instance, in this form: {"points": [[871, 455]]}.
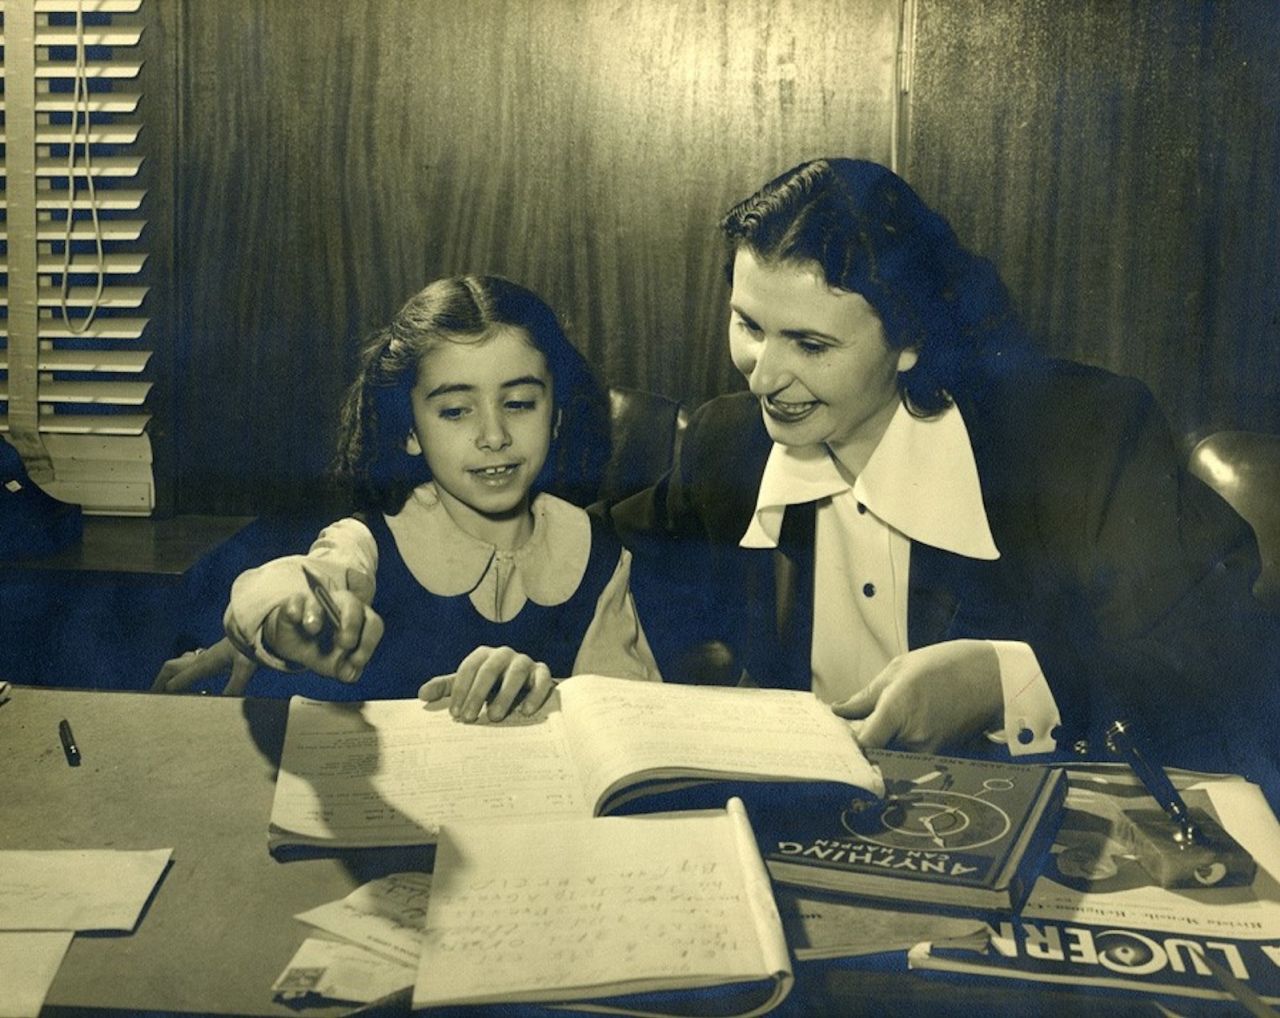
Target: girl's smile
{"points": [[498, 476]]}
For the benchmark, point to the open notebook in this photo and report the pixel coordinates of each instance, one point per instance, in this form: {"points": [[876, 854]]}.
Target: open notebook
{"points": [[390, 772]]}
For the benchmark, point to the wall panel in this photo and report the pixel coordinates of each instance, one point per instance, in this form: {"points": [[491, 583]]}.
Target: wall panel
{"points": [[336, 154], [1120, 163]]}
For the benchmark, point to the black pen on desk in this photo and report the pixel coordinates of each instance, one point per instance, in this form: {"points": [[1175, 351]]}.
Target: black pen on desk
{"points": [[69, 743], [1123, 741], [325, 598]]}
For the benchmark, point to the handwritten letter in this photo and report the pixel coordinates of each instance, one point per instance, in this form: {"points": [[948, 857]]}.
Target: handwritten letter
{"points": [[77, 889], [573, 909]]}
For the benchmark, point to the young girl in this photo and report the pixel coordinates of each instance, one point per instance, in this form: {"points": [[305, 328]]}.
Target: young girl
{"points": [[467, 410]]}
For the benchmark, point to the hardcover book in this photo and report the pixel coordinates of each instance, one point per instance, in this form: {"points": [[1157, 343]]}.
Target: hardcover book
{"points": [[654, 915], [390, 772], [950, 832]]}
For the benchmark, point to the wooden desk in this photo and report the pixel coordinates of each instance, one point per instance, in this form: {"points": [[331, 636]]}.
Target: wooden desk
{"points": [[191, 773], [195, 774]]}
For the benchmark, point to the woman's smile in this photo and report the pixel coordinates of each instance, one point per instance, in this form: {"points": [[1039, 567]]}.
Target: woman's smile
{"points": [[788, 412]]}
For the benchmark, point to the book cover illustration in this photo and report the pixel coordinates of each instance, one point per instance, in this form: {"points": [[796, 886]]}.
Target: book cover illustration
{"points": [[948, 831], [1101, 914], [1105, 867]]}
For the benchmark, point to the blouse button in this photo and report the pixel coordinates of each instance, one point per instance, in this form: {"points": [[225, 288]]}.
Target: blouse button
{"points": [[869, 589], [862, 508]]}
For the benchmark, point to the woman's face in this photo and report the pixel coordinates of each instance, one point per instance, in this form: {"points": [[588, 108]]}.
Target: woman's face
{"points": [[815, 357]]}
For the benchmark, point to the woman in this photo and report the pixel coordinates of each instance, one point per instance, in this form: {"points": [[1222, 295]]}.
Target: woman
{"points": [[941, 533]]}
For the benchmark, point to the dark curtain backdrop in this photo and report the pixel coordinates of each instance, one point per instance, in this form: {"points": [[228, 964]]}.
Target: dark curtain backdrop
{"points": [[334, 155], [1119, 162]]}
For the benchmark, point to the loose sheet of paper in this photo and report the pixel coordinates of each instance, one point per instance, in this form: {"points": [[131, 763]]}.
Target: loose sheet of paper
{"points": [[28, 963], [390, 771], [567, 909], [384, 916], [77, 889]]}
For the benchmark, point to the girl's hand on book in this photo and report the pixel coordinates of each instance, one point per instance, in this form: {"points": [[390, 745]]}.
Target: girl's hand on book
{"points": [[179, 674], [299, 632], [929, 698], [485, 668]]}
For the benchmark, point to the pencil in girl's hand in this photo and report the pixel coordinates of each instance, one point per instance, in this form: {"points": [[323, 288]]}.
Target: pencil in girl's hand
{"points": [[324, 597]]}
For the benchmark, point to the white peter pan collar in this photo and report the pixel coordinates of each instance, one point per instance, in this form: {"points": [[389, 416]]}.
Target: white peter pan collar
{"points": [[449, 562], [921, 480]]}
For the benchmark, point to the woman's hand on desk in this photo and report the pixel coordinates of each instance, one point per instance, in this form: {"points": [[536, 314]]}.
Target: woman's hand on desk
{"points": [[470, 685], [179, 674], [929, 698], [300, 632]]}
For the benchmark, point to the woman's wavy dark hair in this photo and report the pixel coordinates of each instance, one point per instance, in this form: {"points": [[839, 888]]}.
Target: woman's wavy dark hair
{"points": [[377, 415], [871, 234]]}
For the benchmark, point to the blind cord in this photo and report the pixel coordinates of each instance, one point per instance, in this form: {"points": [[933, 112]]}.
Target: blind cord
{"points": [[80, 93]]}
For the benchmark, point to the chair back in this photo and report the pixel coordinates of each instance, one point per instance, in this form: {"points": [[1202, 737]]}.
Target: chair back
{"points": [[1244, 468], [646, 428]]}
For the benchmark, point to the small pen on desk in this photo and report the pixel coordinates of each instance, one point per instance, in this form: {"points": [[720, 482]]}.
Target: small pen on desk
{"points": [[69, 743], [325, 598], [1124, 741]]}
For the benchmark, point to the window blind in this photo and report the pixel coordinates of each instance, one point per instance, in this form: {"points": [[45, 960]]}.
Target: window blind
{"points": [[72, 351]]}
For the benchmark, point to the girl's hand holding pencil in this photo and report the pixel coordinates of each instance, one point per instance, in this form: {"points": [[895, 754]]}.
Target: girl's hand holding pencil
{"points": [[329, 632]]}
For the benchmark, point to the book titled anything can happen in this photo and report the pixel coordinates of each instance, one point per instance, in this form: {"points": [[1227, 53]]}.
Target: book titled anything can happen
{"points": [[950, 832]]}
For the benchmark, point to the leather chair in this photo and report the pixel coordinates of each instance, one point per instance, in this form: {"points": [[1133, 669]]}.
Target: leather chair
{"points": [[1244, 468], [646, 429]]}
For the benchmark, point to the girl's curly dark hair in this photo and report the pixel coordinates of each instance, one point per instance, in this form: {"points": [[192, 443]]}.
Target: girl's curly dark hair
{"points": [[872, 235], [377, 416]]}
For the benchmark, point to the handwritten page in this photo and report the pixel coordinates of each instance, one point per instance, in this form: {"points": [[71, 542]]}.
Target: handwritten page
{"points": [[391, 771], [625, 728], [576, 909], [28, 963], [384, 916], [77, 889], [340, 971]]}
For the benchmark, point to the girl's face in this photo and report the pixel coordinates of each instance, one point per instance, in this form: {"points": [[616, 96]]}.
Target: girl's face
{"points": [[482, 420], [815, 357]]}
